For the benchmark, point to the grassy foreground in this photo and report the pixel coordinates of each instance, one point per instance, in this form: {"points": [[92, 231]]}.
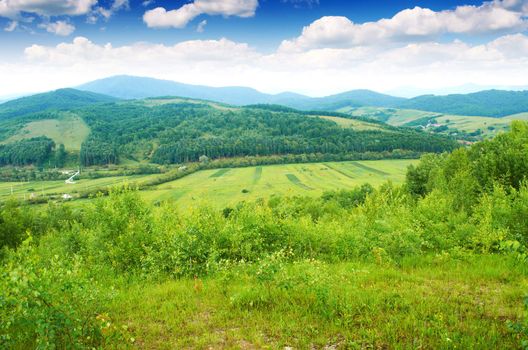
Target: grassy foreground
{"points": [[436, 302]]}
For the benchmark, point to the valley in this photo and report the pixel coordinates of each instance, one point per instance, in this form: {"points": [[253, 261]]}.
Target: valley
{"points": [[197, 223], [253, 174]]}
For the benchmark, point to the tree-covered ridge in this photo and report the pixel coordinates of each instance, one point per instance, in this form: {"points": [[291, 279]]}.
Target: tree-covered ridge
{"points": [[182, 132], [490, 103], [63, 99]]}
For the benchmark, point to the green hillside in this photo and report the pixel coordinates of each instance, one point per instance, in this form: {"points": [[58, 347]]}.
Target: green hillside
{"points": [[183, 132], [171, 130], [63, 99], [478, 126], [490, 103]]}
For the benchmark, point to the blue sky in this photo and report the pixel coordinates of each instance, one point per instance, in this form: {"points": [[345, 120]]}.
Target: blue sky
{"points": [[274, 21], [310, 46]]}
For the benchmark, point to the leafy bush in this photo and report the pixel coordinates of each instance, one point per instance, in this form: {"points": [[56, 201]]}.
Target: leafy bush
{"points": [[49, 304]]}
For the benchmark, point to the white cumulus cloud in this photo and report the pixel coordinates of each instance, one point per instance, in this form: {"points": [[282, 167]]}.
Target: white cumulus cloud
{"points": [[61, 28], [13, 8], [412, 24], [179, 18]]}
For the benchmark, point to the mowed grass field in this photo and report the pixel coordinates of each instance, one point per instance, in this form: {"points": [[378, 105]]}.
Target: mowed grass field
{"points": [[67, 129], [224, 187]]}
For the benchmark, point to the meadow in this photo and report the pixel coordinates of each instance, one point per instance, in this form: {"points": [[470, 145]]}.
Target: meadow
{"points": [[443, 302], [224, 187], [67, 129]]}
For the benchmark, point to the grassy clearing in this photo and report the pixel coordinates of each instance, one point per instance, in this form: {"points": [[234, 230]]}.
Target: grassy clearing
{"points": [[392, 116], [225, 187], [429, 302], [354, 124], [69, 130], [153, 102], [487, 125]]}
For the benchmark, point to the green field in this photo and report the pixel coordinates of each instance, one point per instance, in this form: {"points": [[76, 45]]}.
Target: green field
{"points": [[229, 186], [68, 129], [222, 187]]}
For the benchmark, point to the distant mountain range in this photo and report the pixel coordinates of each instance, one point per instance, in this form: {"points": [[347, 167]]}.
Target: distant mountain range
{"points": [[489, 103], [129, 87], [492, 103], [410, 91]]}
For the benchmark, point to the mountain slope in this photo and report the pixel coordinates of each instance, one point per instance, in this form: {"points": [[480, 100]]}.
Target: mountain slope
{"points": [[490, 103], [63, 99], [129, 87], [355, 98]]}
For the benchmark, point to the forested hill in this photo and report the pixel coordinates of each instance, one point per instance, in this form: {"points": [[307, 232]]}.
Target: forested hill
{"points": [[63, 99], [490, 103], [177, 131]]}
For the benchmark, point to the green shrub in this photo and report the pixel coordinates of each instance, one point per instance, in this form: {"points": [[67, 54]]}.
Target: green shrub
{"points": [[49, 304]]}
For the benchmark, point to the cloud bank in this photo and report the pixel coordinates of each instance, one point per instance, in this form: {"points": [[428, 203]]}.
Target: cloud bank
{"points": [[330, 55], [409, 25], [503, 61]]}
